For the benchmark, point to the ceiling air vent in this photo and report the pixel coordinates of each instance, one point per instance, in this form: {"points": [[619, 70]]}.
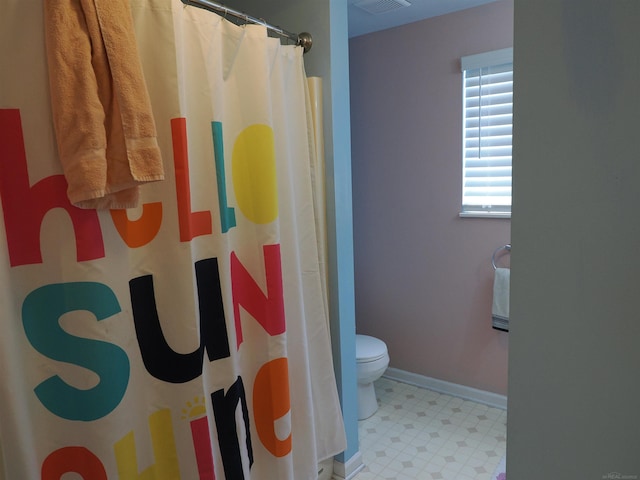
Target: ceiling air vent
{"points": [[381, 6]]}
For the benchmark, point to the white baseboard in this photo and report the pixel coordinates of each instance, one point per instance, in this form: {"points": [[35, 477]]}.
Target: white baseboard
{"points": [[468, 393], [347, 470]]}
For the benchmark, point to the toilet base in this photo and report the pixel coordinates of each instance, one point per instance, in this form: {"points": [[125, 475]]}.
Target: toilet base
{"points": [[367, 402]]}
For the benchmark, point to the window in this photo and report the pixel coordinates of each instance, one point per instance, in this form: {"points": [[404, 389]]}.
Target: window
{"points": [[487, 116]]}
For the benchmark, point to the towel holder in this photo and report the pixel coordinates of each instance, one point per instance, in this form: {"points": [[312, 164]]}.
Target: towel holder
{"points": [[506, 247]]}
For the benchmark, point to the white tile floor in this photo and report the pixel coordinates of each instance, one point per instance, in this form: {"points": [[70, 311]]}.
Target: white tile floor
{"points": [[418, 434]]}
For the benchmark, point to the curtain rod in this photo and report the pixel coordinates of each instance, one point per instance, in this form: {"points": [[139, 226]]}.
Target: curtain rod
{"points": [[302, 39]]}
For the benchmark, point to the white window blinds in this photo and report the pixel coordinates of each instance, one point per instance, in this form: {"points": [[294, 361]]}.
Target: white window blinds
{"points": [[488, 113]]}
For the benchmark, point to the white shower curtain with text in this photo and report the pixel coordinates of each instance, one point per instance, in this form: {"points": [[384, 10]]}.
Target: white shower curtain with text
{"points": [[186, 338]]}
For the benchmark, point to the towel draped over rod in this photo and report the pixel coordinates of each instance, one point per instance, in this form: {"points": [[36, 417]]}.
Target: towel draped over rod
{"points": [[303, 39], [501, 287], [506, 247]]}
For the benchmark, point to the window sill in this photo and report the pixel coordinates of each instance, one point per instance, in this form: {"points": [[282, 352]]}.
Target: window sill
{"points": [[506, 215]]}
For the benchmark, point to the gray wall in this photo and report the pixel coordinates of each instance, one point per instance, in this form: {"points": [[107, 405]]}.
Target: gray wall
{"points": [[424, 278], [574, 362]]}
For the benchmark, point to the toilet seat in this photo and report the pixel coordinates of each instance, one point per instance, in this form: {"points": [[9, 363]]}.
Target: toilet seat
{"points": [[369, 349]]}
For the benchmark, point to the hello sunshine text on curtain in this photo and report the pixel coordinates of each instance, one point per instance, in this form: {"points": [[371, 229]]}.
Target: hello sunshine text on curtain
{"points": [[178, 340]]}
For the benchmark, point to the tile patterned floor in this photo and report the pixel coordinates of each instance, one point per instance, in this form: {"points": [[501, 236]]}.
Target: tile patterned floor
{"points": [[418, 434]]}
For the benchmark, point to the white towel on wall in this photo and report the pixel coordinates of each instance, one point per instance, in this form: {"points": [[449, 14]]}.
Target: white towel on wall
{"points": [[500, 307]]}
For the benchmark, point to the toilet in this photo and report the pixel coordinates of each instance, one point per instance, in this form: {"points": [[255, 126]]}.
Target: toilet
{"points": [[372, 359]]}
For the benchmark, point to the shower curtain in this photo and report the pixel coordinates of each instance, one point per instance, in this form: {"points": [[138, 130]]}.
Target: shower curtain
{"points": [[186, 338]]}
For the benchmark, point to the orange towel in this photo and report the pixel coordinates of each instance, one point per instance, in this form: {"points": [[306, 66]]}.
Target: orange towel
{"points": [[102, 114]]}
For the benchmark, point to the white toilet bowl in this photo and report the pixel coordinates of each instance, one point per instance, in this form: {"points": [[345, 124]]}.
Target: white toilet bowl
{"points": [[372, 359]]}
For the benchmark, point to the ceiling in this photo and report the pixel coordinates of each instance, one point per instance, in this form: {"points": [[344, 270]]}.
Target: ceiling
{"points": [[394, 13]]}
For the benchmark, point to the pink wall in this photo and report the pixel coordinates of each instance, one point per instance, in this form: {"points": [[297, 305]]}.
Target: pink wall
{"points": [[423, 276]]}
